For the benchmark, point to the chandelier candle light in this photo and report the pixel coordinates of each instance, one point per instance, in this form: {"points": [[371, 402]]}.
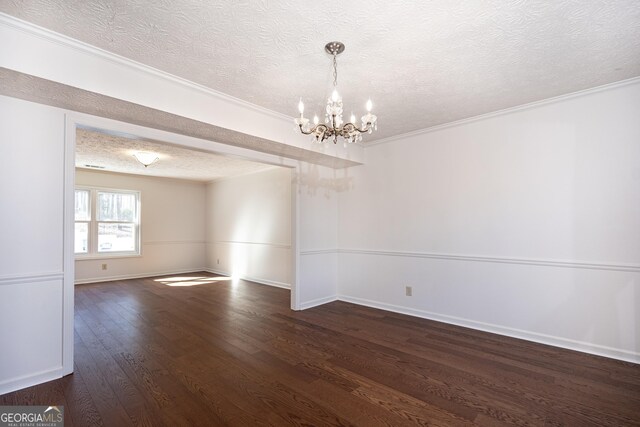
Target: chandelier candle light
{"points": [[333, 125]]}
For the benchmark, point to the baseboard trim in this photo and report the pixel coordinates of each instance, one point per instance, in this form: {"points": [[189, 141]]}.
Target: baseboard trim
{"points": [[135, 276], [191, 270], [25, 381], [569, 344], [318, 301], [252, 279]]}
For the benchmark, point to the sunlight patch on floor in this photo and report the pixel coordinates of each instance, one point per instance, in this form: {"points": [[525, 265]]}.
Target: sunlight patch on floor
{"points": [[177, 281]]}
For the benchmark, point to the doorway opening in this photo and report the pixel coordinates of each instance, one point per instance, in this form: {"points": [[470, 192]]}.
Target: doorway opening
{"points": [[202, 206]]}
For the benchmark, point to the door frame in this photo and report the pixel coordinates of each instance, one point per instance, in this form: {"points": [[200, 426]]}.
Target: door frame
{"points": [[75, 120]]}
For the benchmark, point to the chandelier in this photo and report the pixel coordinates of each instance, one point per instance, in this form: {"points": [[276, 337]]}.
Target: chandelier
{"points": [[333, 125]]}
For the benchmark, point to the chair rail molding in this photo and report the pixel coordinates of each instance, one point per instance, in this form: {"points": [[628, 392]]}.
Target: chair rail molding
{"points": [[597, 265], [31, 277]]}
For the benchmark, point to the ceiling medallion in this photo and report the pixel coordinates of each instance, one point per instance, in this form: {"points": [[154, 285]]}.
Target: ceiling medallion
{"points": [[333, 125]]}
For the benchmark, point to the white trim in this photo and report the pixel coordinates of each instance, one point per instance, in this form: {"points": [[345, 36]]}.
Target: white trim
{"points": [[25, 381], [319, 252], [318, 301], [634, 268], [93, 250], [31, 278], [134, 175], [505, 111], [251, 279], [187, 271], [114, 255], [556, 341], [242, 175], [103, 124], [295, 239], [174, 242], [238, 242], [137, 276], [68, 245], [60, 39]]}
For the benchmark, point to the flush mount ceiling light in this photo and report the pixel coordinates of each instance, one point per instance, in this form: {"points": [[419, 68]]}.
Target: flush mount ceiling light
{"points": [[146, 158], [333, 125]]}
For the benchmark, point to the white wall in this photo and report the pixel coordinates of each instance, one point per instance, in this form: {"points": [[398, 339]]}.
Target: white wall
{"points": [[31, 243], [249, 229], [172, 227], [249, 226], [525, 223], [318, 188]]}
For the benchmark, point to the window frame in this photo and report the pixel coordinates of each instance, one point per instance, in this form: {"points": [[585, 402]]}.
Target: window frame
{"points": [[86, 221], [93, 251]]}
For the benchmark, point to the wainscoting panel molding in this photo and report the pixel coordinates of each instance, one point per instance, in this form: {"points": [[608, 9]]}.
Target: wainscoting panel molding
{"points": [[260, 262], [32, 341], [588, 307], [252, 279], [614, 353]]}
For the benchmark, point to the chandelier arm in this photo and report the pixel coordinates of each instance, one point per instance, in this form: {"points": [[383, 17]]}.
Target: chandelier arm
{"points": [[321, 131], [309, 132], [314, 129], [365, 129]]}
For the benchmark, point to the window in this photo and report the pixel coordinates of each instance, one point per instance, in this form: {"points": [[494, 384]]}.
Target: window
{"points": [[107, 222]]}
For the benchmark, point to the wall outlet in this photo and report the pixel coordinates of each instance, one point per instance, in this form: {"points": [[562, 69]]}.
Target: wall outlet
{"points": [[104, 266], [408, 291], [218, 260]]}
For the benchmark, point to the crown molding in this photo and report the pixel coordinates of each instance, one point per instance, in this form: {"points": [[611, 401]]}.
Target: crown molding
{"points": [[60, 39], [83, 47], [505, 111]]}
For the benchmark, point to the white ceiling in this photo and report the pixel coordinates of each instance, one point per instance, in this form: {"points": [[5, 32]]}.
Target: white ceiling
{"points": [[115, 154], [422, 63]]}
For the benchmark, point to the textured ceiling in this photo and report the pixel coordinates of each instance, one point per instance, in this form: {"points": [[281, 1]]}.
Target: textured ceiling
{"points": [[115, 154], [422, 63], [35, 89]]}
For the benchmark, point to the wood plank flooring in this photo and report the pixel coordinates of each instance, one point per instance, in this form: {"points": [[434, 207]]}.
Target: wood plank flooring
{"points": [[219, 353]]}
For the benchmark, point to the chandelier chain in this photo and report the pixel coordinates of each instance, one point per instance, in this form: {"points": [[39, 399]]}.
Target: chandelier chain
{"points": [[335, 70]]}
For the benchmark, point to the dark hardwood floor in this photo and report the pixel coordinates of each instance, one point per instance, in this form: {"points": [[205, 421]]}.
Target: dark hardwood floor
{"points": [[218, 353]]}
